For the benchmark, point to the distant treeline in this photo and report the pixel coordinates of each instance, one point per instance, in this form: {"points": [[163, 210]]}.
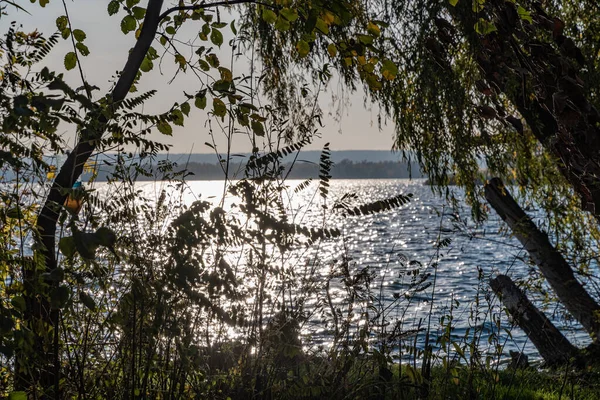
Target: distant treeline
{"points": [[344, 169]]}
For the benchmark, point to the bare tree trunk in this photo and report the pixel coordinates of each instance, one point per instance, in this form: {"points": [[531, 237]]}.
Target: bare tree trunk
{"points": [[554, 348], [551, 263]]}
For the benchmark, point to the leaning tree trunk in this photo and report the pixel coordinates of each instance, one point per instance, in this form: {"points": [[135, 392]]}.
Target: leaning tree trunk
{"points": [[552, 265], [554, 348], [540, 78]]}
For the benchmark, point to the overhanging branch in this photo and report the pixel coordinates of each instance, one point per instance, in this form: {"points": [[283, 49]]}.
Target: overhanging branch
{"points": [[211, 5]]}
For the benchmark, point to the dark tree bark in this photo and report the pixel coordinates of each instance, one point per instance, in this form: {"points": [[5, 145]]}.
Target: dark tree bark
{"points": [[554, 348], [551, 263], [40, 365]]}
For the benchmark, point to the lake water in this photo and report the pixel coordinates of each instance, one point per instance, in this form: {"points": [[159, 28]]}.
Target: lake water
{"points": [[386, 242]]}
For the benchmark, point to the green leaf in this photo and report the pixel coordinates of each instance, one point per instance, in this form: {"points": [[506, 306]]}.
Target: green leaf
{"points": [[62, 23], [70, 60], [138, 12], [185, 108], [219, 108], [66, 245], [365, 39], [17, 396], [200, 102], [257, 128], [14, 212], [146, 64], [269, 16], [303, 48], [322, 26], [453, 3], [79, 35], [87, 301], [389, 70], [128, 24], [60, 296], [113, 7], [213, 60], [484, 27], [233, 28], [216, 37], [165, 128], [177, 116], [282, 24], [525, 15], [18, 302], [289, 14], [83, 49]]}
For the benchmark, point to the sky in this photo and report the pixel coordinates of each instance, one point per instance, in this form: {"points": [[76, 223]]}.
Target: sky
{"points": [[356, 130]]}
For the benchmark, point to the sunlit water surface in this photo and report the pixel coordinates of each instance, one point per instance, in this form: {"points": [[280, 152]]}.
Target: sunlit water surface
{"points": [[384, 242]]}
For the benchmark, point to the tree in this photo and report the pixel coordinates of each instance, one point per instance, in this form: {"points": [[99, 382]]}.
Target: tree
{"points": [[509, 85], [34, 111]]}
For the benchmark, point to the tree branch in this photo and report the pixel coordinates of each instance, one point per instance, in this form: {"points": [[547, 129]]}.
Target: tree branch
{"points": [[210, 5]]}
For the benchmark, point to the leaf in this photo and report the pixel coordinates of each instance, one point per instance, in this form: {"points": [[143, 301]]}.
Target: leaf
{"points": [[289, 14], [389, 70], [83, 49], [14, 212], [146, 64], [62, 23], [165, 128], [177, 117], [179, 59], [332, 50], [269, 16], [138, 12], [219, 108], [18, 302], [113, 7], [17, 396], [373, 29], [66, 245], [322, 26], [453, 3], [282, 24], [128, 24], [185, 108], [524, 15], [303, 48], [60, 296], [213, 60], [87, 301], [226, 74], [70, 60], [484, 27], [258, 128], [79, 35], [200, 102], [216, 37]]}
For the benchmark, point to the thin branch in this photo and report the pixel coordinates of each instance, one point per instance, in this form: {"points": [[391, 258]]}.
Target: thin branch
{"points": [[210, 5]]}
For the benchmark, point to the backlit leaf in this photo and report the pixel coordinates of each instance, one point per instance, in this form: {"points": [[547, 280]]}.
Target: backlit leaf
{"points": [[165, 128], [216, 37], [219, 107], [79, 35], [303, 48], [113, 7], [269, 16], [70, 60], [128, 24]]}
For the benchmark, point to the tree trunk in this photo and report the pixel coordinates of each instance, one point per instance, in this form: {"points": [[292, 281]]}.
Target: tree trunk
{"points": [[41, 319], [541, 80], [551, 263], [554, 348]]}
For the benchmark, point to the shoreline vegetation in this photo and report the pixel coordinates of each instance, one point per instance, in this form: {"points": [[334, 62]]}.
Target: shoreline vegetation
{"points": [[345, 169]]}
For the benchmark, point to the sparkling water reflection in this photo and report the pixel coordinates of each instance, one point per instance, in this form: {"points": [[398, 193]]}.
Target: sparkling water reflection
{"points": [[385, 243]]}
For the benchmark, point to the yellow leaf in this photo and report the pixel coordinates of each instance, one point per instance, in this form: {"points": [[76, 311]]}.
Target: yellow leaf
{"points": [[332, 50], [328, 17]]}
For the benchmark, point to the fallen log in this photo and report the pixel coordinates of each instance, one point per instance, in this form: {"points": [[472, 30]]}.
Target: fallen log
{"points": [[551, 263], [554, 348]]}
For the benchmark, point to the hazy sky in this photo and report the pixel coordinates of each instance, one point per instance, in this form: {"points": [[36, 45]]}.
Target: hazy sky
{"points": [[109, 48]]}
